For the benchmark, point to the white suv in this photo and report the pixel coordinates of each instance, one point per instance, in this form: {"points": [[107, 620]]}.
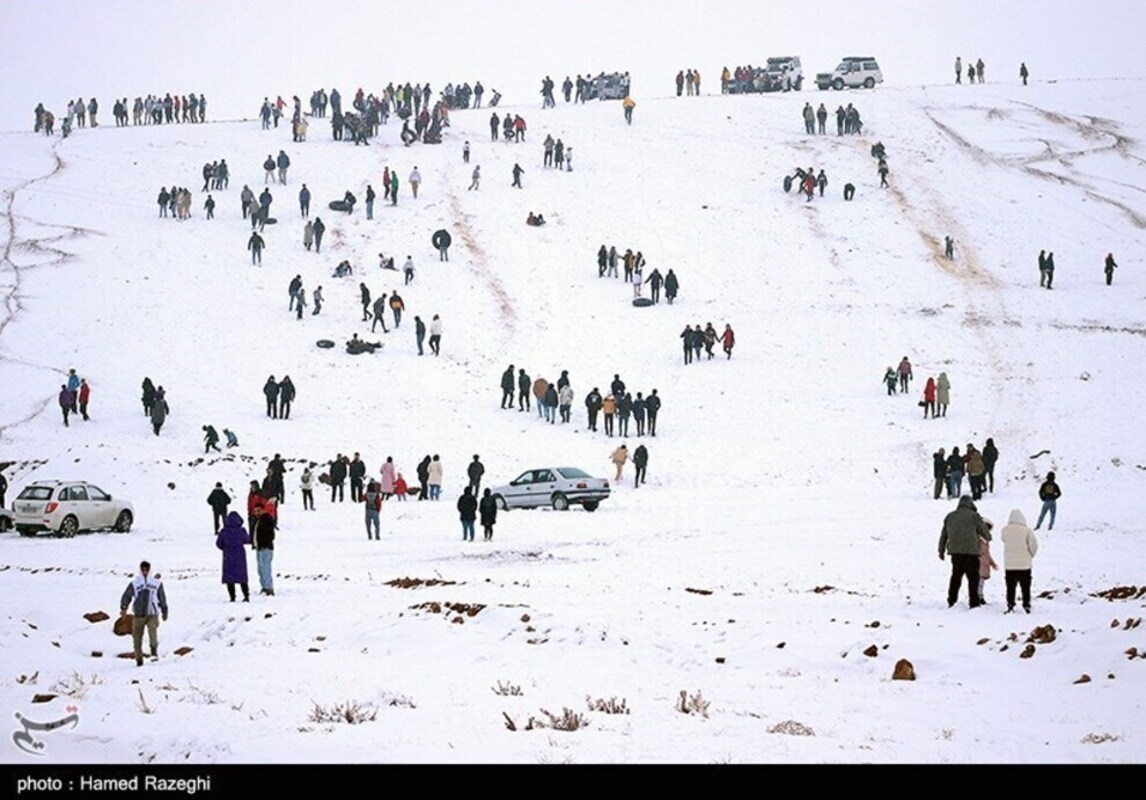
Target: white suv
{"points": [[853, 72], [785, 73], [67, 507]]}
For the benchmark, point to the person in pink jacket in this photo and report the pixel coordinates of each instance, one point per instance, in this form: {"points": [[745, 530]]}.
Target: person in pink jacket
{"points": [[986, 563], [389, 477]]}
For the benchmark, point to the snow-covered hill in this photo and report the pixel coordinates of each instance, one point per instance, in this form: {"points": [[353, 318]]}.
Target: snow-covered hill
{"points": [[787, 524]]}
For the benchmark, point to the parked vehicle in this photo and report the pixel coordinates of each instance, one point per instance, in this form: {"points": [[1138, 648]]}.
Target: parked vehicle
{"points": [[558, 487], [67, 507], [852, 72], [784, 73], [611, 86]]}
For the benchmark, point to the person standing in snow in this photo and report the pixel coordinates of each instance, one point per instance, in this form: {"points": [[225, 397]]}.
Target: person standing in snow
{"points": [[487, 510], [372, 501], [476, 177], [474, 471], [905, 375], [287, 391], [609, 408], [1049, 493], [593, 404], [263, 540], [565, 401], [883, 170], [1108, 268], [958, 69], [942, 394], [986, 564], [434, 472], [83, 397], [159, 411], [652, 408], [283, 162], [271, 393], [517, 173], [672, 285], [628, 104], [210, 439], [959, 537], [435, 335], [1019, 548], [306, 485], [415, 180], [1023, 73], [948, 247], [467, 512], [233, 540], [939, 470], [507, 382]]}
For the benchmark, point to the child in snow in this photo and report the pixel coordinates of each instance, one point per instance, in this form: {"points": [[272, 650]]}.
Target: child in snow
{"points": [[986, 563]]}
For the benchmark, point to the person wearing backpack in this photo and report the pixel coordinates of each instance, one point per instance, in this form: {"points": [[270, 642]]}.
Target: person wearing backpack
{"points": [[373, 501], [147, 600]]}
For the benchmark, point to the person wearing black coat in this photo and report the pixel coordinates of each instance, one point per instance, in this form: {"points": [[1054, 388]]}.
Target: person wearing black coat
{"points": [[148, 396], [475, 470], [357, 471], [219, 500], [271, 391], [551, 403], [671, 286], [593, 406], [990, 457], [211, 440], [602, 261], [424, 478], [523, 384], [640, 462], [487, 509], [286, 395], [652, 406], [494, 124], [338, 469], [939, 470], [319, 229], [624, 410], [507, 388], [467, 512], [365, 292]]}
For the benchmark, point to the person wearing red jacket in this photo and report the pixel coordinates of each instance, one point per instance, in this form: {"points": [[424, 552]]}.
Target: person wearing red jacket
{"points": [[85, 394], [728, 339], [929, 398]]}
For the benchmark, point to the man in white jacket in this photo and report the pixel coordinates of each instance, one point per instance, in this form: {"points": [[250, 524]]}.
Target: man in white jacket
{"points": [[148, 600]]}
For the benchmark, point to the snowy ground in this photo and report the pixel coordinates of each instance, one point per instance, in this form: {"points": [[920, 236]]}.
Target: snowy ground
{"points": [[786, 526]]}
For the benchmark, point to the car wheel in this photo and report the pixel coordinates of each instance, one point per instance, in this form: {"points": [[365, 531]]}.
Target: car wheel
{"points": [[69, 527], [4, 524], [869, 83], [838, 84], [499, 501], [123, 522], [560, 502], [590, 505]]}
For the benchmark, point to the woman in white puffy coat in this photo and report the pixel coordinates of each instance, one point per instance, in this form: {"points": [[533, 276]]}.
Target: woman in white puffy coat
{"points": [[1019, 548]]}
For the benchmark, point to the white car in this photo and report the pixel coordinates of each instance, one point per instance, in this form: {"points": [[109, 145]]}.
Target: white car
{"points": [[67, 507], [558, 487], [852, 72], [784, 73]]}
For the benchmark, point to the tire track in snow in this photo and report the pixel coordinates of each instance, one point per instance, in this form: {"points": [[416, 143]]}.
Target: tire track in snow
{"points": [[479, 264], [1029, 165], [13, 274]]}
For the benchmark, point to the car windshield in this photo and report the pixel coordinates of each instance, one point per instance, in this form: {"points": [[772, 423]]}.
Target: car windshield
{"points": [[573, 472], [37, 493]]}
